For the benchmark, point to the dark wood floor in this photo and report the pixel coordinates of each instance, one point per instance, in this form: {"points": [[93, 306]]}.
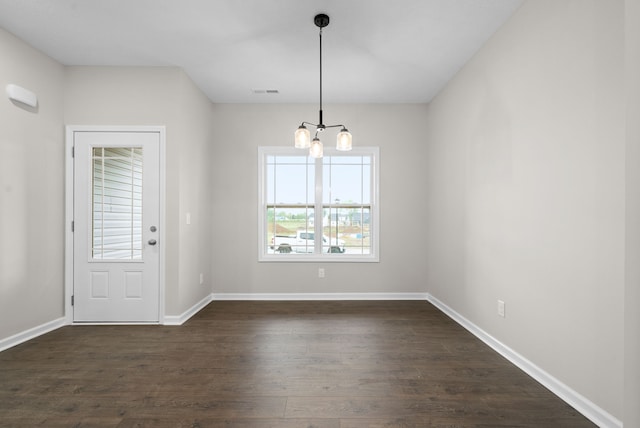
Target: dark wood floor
{"points": [[276, 365]]}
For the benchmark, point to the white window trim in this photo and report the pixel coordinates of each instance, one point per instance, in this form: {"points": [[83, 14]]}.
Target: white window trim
{"points": [[373, 257]]}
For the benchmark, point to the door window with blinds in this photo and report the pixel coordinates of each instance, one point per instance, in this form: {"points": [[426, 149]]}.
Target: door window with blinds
{"points": [[116, 203]]}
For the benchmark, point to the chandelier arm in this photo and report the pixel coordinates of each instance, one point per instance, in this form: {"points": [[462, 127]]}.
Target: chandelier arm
{"points": [[321, 125], [334, 126]]}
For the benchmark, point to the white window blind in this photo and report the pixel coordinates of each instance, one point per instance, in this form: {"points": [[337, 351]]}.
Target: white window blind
{"points": [[117, 203]]}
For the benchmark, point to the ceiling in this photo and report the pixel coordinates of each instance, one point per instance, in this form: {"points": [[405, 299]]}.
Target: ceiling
{"points": [[374, 51]]}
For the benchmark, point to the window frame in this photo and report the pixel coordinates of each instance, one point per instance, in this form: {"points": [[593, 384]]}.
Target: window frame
{"points": [[317, 206]]}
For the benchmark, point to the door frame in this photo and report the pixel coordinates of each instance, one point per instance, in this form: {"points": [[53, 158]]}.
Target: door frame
{"points": [[69, 205]]}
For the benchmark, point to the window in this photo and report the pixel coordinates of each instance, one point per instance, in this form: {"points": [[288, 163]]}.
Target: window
{"points": [[117, 203], [318, 209]]}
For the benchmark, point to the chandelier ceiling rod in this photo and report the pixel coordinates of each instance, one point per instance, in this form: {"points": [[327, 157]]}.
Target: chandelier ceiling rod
{"points": [[321, 22]]}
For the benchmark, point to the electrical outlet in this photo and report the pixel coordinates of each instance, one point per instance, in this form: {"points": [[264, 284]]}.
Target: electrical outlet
{"points": [[320, 272], [501, 308], [201, 278]]}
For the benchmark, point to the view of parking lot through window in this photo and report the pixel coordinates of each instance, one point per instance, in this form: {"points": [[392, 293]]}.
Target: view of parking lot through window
{"points": [[341, 204]]}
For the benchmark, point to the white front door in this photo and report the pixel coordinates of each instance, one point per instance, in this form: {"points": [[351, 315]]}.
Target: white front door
{"points": [[116, 214]]}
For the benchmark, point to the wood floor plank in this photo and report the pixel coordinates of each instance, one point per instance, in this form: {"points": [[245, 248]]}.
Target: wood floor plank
{"points": [[344, 364], [229, 423]]}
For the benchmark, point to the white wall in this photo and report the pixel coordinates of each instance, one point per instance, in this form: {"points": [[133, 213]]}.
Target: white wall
{"points": [[31, 191], [195, 140], [240, 129], [632, 291], [159, 96], [526, 192]]}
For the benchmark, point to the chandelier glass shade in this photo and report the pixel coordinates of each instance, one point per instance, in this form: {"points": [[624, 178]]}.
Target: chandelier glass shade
{"points": [[303, 138], [316, 149], [344, 140]]}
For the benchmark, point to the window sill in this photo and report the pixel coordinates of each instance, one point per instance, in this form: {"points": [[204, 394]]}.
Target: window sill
{"points": [[315, 258]]}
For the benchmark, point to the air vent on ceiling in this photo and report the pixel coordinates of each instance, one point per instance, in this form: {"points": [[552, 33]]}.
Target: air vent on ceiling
{"points": [[265, 91]]}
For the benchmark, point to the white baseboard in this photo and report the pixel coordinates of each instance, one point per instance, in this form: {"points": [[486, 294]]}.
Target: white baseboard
{"points": [[590, 410], [181, 319], [32, 333], [319, 296]]}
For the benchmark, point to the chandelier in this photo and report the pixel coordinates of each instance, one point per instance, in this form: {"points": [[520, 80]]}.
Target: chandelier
{"points": [[303, 135]]}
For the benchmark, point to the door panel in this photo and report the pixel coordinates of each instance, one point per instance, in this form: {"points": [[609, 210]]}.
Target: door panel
{"points": [[116, 217]]}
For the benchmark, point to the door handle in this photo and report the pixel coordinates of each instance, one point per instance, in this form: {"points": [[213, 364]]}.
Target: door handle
{"points": [[152, 242]]}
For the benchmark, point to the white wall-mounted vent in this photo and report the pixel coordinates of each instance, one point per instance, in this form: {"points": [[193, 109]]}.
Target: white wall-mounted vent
{"points": [[22, 95], [265, 91]]}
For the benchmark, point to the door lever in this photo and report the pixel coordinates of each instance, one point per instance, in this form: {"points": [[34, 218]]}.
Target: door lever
{"points": [[152, 242]]}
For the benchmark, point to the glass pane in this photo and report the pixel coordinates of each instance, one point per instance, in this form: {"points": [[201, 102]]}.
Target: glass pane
{"points": [[347, 185], [288, 184], [346, 160], [290, 230], [366, 184], [347, 180], [117, 203], [288, 160], [346, 230]]}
